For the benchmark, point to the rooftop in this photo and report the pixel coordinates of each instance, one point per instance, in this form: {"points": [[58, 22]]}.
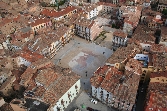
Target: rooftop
{"points": [[143, 36], [85, 23], [123, 52], [122, 85], [50, 88], [157, 101], [39, 21], [163, 34], [158, 48], [60, 87], [159, 61], [134, 65], [99, 75], [120, 33], [53, 13], [30, 71], [29, 55]]}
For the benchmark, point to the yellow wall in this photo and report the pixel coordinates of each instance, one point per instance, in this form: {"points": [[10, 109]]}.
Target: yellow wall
{"points": [[120, 66], [159, 79]]}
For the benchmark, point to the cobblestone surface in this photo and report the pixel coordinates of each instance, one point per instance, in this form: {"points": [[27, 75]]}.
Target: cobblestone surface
{"points": [[83, 98], [82, 57]]}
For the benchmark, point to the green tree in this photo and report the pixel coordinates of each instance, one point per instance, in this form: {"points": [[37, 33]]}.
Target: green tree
{"points": [[61, 2], [113, 26], [43, 4], [164, 12]]}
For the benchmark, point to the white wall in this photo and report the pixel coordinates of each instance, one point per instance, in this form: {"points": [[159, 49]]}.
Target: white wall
{"points": [[142, 57], [21, 60], [65, 98], [99, 8], [5, 45], [115, 1], [145, 47], [119, 40], [52, 1], [93, 13]]}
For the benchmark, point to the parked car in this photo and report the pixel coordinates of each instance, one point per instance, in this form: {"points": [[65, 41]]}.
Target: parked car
{"points": [[89, 109], [93, 101], [142, 90]]}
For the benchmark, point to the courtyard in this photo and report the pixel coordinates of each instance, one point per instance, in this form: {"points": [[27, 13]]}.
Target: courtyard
{"points": [[83, 58]]}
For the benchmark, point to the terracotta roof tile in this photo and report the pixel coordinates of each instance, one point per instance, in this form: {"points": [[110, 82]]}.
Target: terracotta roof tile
{"points": [[120, 33], [39, 21], [163, 34], [159, 61], [134, 65], [46, 78], [29, 55], [158, 48], [50, 88], [52, 13], [143, 36], [156, 102], [121, 53]]}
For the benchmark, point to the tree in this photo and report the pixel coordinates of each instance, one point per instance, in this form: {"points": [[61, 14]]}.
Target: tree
{"points": [[61, 2], [113, 25], [43, 4], [164, 12]]}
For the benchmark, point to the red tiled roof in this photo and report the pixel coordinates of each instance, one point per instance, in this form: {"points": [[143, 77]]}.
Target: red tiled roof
{"points": [[52, 13], [159, 61], [158, 48], [101, 70], [39, 21], [30, 56], [158, 74], [5, 21], [135, 65], [91, 24], [156, 102], [99, 75], [120, 33]]}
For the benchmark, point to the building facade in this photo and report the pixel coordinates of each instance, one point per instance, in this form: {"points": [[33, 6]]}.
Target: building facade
{"points": [[87, 29], [119, 39]]}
